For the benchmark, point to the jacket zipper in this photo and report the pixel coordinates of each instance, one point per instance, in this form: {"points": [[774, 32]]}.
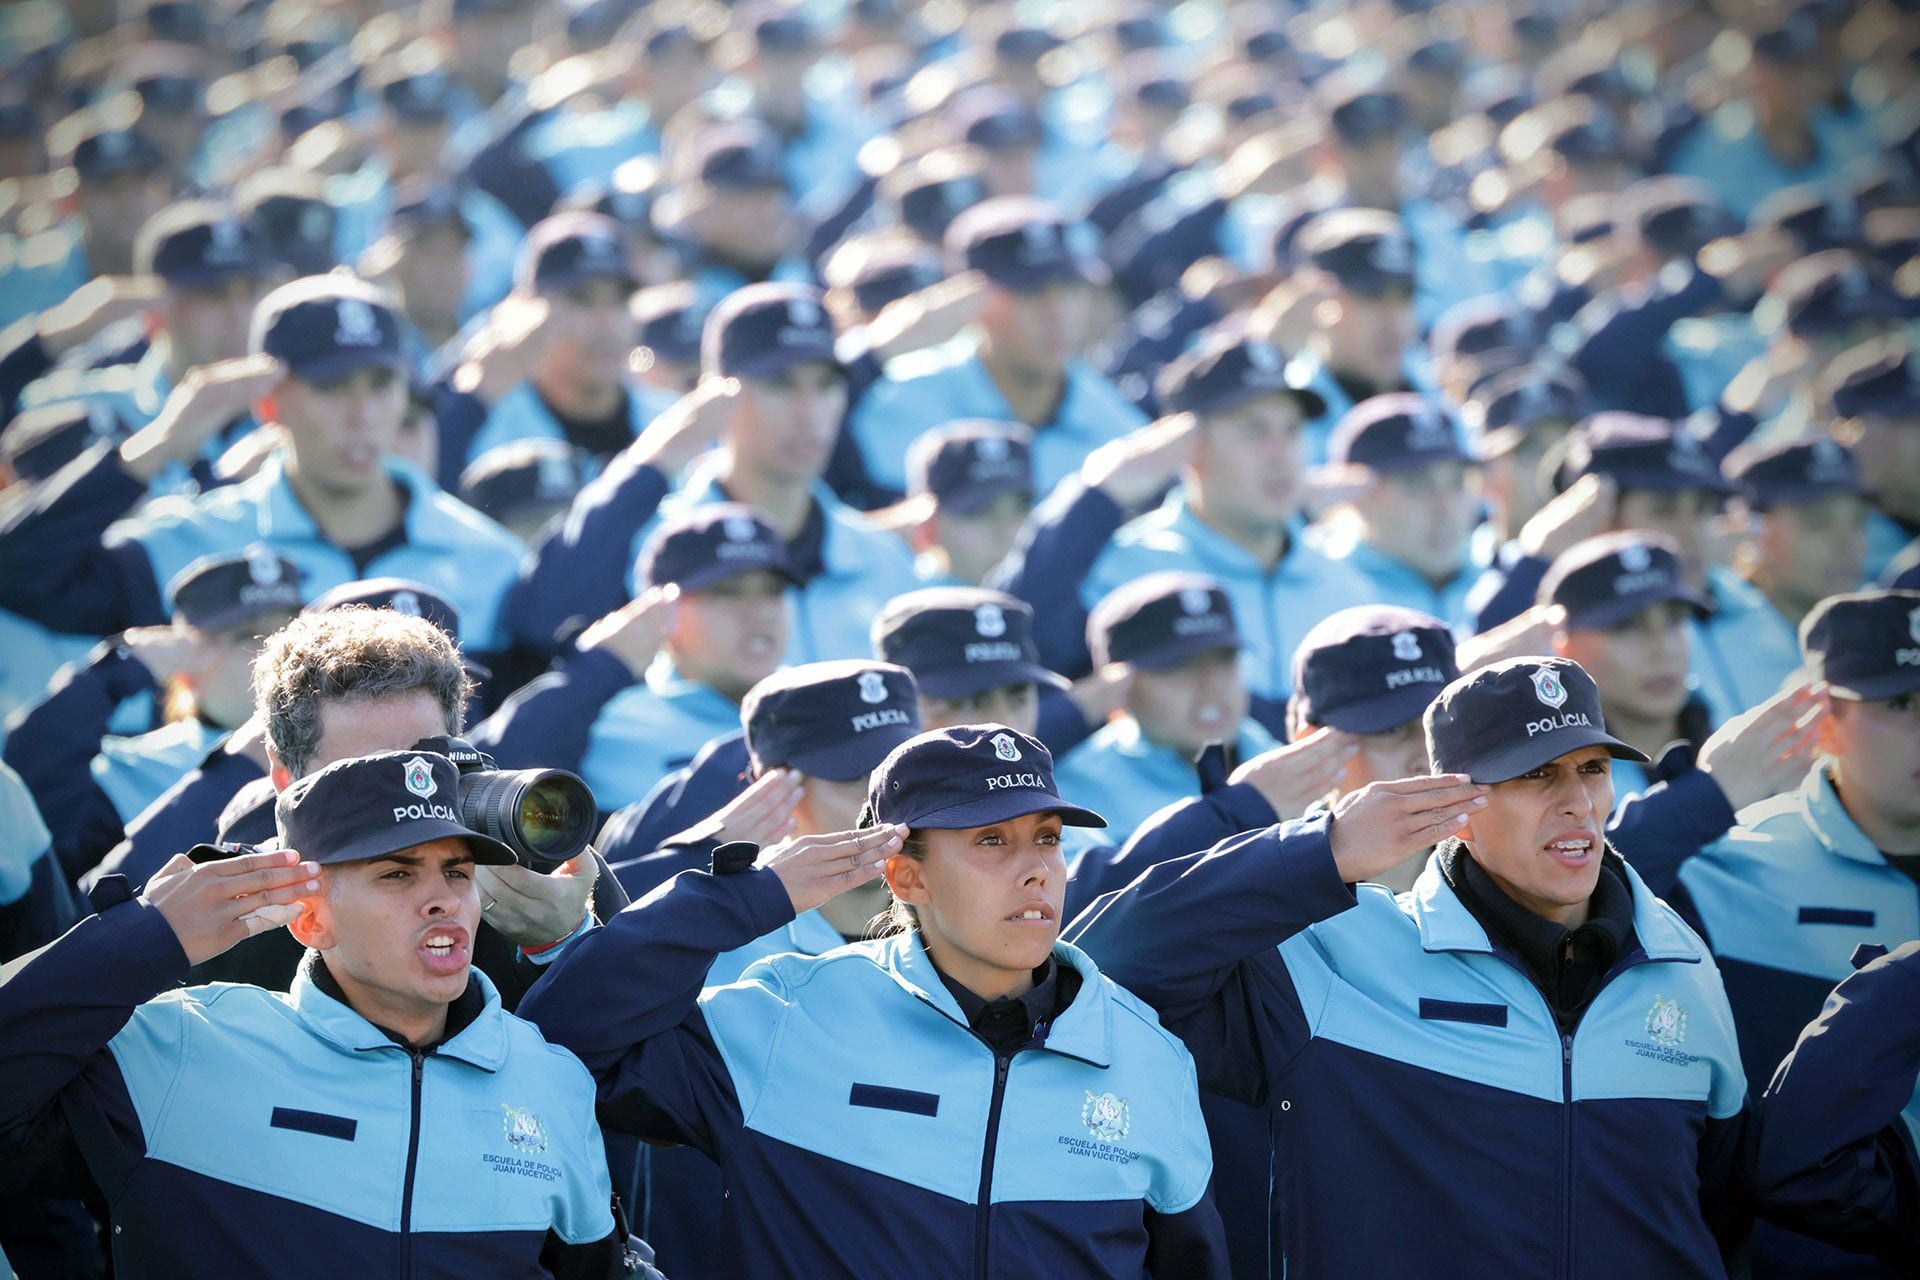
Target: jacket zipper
{"points": [[983, 1208], [1566, 1153], [413, 1159]]}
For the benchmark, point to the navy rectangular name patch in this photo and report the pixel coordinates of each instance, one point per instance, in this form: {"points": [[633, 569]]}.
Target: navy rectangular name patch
{"points": [[885, 1099], [1836, 915], [1481, 1015], [341, 1127]]}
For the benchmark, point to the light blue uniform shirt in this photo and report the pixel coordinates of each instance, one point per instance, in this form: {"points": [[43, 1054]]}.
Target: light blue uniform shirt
{"points": [[522, 415], [807, 934], [1273, 608], [645, 732], [449, 547], [134, 771], [1727, 152], [41, 270], [24, 840], [1710, 351], [29, 656], [1126, 779], [928, 389], [1395, 582], [1745, 651]]}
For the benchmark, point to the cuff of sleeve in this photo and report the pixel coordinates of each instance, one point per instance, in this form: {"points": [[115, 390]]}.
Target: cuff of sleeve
{"points": [[551, 952], [1309, 877], [600, 670], [1705, 803]]}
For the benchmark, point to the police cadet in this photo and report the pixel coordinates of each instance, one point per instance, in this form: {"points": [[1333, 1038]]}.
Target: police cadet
{"points": [[192, 679], [1555, 1034], [328, 356], [1233, 515], [388, 1041], [971, 489], [1809, 503], [522, 486], [1175, 633], [1408, 524], [1019, 363], [1029, 1117], [1875, 395]]}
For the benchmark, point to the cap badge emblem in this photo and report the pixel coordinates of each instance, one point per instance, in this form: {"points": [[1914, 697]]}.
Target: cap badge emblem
{"points": [[1195, 600], [1634, 558], [1108, 1116], [1406, 646], [358, 326], [1263, 357], [1005, 747], [873, 686], [1913, 625], [991, 449], [263, 568], [737, 528], [420, 778], [990, 621], [405, 602], [1393, 254], [523, 1129], [1667, 1022], [113, 145], [1039, 242], [225, 237], [803, 313], [1547, 687]]}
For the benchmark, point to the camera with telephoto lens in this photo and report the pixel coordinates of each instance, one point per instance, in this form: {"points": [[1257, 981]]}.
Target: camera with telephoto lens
{"points": [[545, 816]]}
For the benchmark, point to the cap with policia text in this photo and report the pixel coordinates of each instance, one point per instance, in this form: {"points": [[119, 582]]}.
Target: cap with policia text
{"points": [[832, 720], [966, 466], [1366, 250], [1372, 668], [525, 478], [199, 243], [571, 249], [401, 595], [221, 591], [1400, 431], [1605, 580], [1874, 380], [1160, 620], [764, 329], [1513, 403], [1502, 720], [1639, 452], [1229, 368], [959, 641], [1805, 471], [371, 806], [968, 776], [710, 544], [1018, 243], [1865, 644], [324, 328]]}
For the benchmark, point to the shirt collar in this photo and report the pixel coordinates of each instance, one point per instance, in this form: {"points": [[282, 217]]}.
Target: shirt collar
{"points": [[476, 1030], [1830, 822]]}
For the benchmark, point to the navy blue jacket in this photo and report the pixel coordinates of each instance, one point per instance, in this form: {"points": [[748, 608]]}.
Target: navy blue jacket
{"points": [[186, 814], [1081, 1154]]}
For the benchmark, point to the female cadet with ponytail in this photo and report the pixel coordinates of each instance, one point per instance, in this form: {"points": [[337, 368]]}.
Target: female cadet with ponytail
{"points": [[963, 1097]]}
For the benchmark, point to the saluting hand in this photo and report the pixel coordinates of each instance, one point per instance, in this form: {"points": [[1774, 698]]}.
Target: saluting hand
{"points": [[214, 905], [1767, 749], [635, 631], [207, 399], [1139, 466], [817, 868], [1384, 823], [688, 427], [763, 813], [1293, 777]]}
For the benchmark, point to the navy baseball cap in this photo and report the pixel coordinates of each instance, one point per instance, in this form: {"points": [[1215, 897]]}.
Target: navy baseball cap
{"points": [[422, 203], [401, 595], [1874, 380], [1024, 43], [1826, 293], [1815, 219], [994, 120], [1865, 644], [1479, 327], [761, 330], [524, 476], [931, 192], [1502, 720], [1160, 620], [293, 217], [967, 465], [1791, 41], [1018, 243], [1508, 408], [1228, 368], [1805, 471], [1372, 668], [670, 317], [736, 156], [110, 149], [570, 249], [1580, 130], [1639, 452], [832, 720], [423, 96], [373, 805], [323, 328], [168, 95], [711, 543], [1604, 581], [627, 197], [199, 243], [780, 29], [1400, 431], [970, 775], [890, 272], [1362, 113], [961, 640], [41, 440], [221, 591], [1366, 250]]}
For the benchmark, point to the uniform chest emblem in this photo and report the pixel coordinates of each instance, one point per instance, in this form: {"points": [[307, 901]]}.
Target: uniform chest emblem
{"points": [[524, 1130], [1107, 1116], [1667, 1022]]}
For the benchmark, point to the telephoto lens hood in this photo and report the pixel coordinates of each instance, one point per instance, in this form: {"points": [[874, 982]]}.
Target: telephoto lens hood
{"points": [[546, 816]]}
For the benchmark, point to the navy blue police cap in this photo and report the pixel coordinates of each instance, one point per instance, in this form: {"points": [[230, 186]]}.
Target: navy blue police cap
{"points": [[670, 317], [831, 720], [1018, 243], [1479, 327], [762, 330], [424, 96], [199, 243], [41, 440], [970, 775], [1582, 131], [1372, 668], [960, 641], [1362, 112], [1865, 644], [1229, 368], [1609, 579], [570, 249], [176, 21], [1504, 412], [1265, 42], [931, 193], [1160, 92], [1829, 292], [994, 120], [710, 543], [736, 156], [1400, 431], [374, 805], [966, 466], [112, 149], [1792, 40], [1874, 380], [403, 596], [221, 591], [293, 217], [324, 328], [780, 29], [1436, 55], [1508, 718], [1250, 104], [1024, 43], [168, 94], [627, 197], [1640, 452], [524, 477], [1804, 471], [1366, 250], [1815, 219], [420, 204], [892, 271], [1160, 620], [1676, 216]]}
